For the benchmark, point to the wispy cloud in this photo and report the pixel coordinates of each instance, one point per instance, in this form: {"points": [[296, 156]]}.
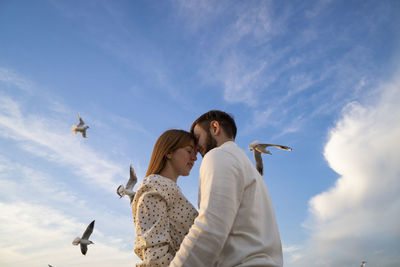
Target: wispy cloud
{"points": [[35, 235], [357, 219], [52, 140], [121, 37], [54, 192], [49, 137], [318, 8], [20, 180], [199, 13], [12, 78], [260, 56], [241, 57], [237, 81]]}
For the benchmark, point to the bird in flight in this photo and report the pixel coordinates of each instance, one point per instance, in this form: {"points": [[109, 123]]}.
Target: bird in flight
{"points": [[128, 189], [258, 148], [363, 263], [84, 240], [81, 127]]}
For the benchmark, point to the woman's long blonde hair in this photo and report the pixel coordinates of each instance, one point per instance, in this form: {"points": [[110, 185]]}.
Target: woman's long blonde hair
{"points": [[168, 142]]}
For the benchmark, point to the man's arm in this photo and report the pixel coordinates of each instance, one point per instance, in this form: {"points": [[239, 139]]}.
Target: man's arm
{"points": [[221, 189]]}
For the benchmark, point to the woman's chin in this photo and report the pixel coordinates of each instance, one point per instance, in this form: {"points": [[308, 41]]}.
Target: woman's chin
{"points": [[186, 173]]}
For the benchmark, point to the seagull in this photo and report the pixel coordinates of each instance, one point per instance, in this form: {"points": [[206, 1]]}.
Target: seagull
{"points": [[50, 265], [128, 189], [81, 127], [84, 240], [262, 148], [363, 263]]}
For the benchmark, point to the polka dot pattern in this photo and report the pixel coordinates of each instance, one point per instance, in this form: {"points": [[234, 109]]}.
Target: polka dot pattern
{"points": [[162, 217]]}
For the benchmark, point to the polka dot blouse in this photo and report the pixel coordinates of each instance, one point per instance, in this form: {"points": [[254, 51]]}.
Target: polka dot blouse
{"points": [[162, 217]]}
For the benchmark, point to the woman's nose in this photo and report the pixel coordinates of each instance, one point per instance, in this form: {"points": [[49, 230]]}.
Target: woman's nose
{"points": [[194, 155]]}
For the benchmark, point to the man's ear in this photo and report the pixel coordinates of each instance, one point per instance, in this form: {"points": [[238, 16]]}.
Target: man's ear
{"points": [[215, 128]]}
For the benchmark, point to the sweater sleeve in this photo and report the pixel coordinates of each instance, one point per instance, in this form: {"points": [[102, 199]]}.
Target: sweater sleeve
{"points": [[221, 189], [152, 243]]}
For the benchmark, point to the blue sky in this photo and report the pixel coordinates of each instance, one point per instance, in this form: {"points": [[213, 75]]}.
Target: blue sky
{"points": [[319, 76]]}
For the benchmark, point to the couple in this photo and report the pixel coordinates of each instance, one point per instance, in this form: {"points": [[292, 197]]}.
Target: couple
{"points": [[235, 224]]}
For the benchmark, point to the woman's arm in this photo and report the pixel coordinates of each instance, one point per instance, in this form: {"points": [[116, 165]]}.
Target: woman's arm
{"points": [[152, 243]]}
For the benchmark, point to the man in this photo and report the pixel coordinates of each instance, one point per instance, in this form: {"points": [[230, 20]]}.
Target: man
{"points": [[236, 225]]}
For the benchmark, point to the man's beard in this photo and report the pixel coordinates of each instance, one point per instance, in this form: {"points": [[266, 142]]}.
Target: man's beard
{"points": [[210, 143]]}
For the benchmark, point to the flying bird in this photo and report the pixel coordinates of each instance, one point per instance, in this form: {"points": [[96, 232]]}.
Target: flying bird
{"points": [[262, 148], [128, 189], [81, 127], [363, 263], [84, 240]]}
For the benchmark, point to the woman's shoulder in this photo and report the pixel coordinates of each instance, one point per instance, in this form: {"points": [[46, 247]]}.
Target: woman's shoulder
{"points": [[157, 184], [159, 181]]}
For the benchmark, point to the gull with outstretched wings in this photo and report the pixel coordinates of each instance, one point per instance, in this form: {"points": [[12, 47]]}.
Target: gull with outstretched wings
{"points": [[128, 189], [84, 240], [81, 127], [258, 148]]}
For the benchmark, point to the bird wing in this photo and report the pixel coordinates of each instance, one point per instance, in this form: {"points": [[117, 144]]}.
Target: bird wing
{"points": [[132, 197], [84, 133], [262, 149], [277, 146], [81, 122], [259, 162], [132, 179], [118, 193], [88, 231], [83, 249]]}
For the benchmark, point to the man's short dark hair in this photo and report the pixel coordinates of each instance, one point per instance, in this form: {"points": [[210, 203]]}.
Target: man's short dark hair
{"points": [[224, 119]]}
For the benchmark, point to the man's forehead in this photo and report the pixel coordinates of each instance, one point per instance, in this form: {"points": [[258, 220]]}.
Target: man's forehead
{"points": [[197, 130]]}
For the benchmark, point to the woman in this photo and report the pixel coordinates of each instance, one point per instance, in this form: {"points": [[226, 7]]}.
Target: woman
{"points": [[162, 215]]}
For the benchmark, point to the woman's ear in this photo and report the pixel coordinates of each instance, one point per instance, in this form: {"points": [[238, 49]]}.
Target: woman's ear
{"points": [[169, 155]]}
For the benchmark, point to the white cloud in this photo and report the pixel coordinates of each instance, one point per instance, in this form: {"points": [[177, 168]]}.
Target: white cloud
{"points": [[358, 218]]}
